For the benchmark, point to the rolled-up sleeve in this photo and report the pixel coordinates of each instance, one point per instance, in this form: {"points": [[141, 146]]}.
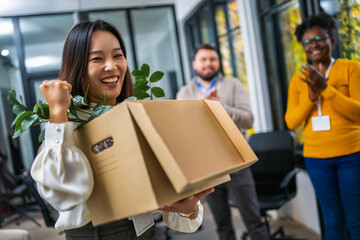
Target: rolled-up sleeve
{"points": [[62, 172]]}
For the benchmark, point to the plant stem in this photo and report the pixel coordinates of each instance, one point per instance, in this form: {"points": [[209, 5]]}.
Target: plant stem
{"points": [[76, 120], [84, 111], [151, 95]]}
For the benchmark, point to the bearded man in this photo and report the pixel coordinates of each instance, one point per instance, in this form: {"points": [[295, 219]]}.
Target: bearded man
{"points": [[210, 84]]}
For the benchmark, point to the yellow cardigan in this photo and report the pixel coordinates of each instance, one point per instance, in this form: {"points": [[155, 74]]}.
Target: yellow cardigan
{"points": [[340, 101]]}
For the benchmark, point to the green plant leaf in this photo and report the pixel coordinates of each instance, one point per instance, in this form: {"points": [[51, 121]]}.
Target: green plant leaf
{"points": [[36, 108], [86, 94], [137, 73], [45, 108], [141, 95], [131, 98], [98, 110], [11, 97], [140, 83], [19, 118], [141, 87], [41, 107], [158, 92], [78, 102], [28, 122], [17, 108], [17, 133], [145, 69], [156, 76], [41, 136], [73, 112], [105, 98], [140, 78]]}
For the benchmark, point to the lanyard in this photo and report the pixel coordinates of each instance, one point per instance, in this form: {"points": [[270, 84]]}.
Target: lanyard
{"points": [[318, 103], [206, 90]]}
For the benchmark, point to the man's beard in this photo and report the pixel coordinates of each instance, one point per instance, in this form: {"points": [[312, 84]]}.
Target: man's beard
{"points": [[207, 77]]}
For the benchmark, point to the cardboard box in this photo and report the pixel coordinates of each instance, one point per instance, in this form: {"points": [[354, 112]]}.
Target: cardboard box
{"points": [[163, 151]]}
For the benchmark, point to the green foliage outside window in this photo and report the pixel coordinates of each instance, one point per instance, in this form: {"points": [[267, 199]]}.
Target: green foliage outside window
{"points": [[232, 34], [349, 28]]}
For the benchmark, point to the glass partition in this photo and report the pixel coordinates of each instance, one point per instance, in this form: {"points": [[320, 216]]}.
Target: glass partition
{"points": [[10, 78], [284, 56], [7, 61], [156, 44], [230, 41], [7, 48], [44, 38]]}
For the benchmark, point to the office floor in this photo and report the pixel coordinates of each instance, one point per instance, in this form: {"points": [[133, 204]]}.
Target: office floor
{"points": [[207, 231]]}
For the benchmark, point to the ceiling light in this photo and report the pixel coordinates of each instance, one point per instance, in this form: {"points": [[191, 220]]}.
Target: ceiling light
{"points": [[5, 52]]}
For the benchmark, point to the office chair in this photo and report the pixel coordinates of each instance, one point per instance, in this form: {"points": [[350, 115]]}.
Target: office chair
{"points": [[274, 173], [20, 194], [13, 192]]}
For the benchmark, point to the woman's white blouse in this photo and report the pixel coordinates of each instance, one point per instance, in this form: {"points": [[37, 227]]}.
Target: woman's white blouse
{"points": [[64, 178]]}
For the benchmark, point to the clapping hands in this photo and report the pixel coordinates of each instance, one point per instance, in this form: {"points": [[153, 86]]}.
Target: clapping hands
{"points": [[213, 95], [315, 78]]}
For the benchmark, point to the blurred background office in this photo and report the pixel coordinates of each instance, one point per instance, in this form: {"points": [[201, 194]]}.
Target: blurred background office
{"points": [[255, 39]]}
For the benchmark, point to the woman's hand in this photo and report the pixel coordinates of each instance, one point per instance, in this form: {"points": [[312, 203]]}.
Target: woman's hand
{"points": [[187, 205], [57, 95], [315, 79]]}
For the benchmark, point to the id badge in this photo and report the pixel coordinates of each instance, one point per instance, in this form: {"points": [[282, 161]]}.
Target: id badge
{"points": [[142, 223], [321, 123]]}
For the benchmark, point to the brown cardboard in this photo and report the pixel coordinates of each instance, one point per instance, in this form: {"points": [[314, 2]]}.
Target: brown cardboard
{"points": [[164, 151]]}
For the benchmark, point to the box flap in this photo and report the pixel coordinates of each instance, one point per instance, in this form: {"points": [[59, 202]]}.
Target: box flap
{"points": [[176, 175], [231, 130], [192, 136]]}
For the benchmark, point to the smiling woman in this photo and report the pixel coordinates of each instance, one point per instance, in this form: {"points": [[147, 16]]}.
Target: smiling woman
{"points": [[95, 51], [94, 55], [325, 96], [106, 68]]}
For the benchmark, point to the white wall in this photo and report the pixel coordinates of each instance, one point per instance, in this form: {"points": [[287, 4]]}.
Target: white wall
{"points": [[255, 66], [303, 208]]}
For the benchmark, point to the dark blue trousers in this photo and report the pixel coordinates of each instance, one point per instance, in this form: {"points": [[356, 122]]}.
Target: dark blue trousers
{"points": [[337, 186]]}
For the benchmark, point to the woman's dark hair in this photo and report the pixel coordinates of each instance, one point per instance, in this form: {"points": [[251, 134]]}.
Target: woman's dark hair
{"points": [[321, 20], [76, 53]]}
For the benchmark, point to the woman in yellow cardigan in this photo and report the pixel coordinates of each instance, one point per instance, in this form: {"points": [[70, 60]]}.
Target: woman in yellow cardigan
{"points": [[325, 95]]}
